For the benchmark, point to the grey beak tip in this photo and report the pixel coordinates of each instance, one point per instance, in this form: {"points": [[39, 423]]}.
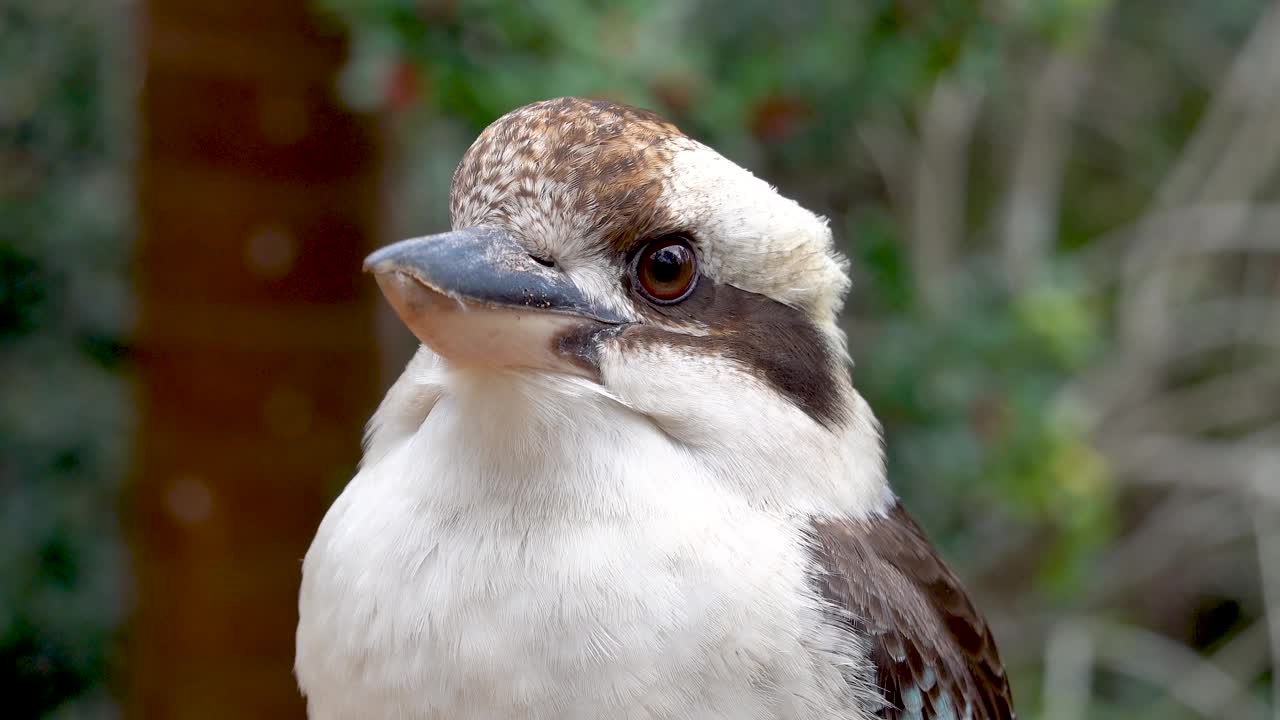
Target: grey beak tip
{"points": [[381, 260]]}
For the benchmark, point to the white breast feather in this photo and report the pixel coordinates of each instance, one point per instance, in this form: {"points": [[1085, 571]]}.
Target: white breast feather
{"points": [[528, 547]]}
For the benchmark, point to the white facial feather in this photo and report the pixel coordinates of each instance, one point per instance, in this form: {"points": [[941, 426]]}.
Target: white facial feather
{"points": [[762, 447], [754, 238]]}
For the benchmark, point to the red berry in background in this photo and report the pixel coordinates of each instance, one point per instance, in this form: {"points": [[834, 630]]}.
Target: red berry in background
{"points": [[402, 86], [777, 116]]}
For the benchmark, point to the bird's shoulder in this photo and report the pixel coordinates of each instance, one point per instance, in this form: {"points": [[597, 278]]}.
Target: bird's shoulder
{"points": [[933, 654]]}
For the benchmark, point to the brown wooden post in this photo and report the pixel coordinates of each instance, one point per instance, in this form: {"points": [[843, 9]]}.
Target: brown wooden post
{"points": [[258, 197]]}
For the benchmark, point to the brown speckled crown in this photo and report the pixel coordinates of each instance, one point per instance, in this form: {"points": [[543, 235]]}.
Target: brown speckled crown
{"points": [[592, 164]]}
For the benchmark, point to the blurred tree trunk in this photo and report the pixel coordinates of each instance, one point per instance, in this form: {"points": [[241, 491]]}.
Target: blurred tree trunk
{"points": [[258, 197]]}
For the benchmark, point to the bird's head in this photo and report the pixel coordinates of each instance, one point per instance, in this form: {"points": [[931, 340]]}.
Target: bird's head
{"points": [[597, 240]]}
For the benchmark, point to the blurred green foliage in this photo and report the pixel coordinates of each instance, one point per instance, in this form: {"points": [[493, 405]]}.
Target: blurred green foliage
{"points": [[63, 413]]}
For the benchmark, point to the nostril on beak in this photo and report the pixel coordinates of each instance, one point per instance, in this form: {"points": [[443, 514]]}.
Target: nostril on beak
{"points": [[544, 261]]}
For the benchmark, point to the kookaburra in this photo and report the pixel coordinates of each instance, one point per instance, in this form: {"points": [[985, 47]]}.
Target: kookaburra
{"points": [[627, 475]]}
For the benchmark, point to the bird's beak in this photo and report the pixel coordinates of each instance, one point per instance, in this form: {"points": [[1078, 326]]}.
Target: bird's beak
{"points": [[478, 298]]}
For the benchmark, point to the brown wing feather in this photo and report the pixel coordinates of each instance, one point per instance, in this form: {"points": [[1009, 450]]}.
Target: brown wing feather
{"points": [[934, 656]]}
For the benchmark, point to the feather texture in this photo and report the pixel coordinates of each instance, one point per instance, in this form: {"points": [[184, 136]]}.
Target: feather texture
{"points": [[934, 655]]}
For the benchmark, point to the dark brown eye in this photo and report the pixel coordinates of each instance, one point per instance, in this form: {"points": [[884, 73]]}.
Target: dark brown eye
{"points": [[666, 269]]}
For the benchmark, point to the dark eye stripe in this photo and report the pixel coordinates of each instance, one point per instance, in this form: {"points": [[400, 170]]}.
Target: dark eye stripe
{"points": [[780, 344]]}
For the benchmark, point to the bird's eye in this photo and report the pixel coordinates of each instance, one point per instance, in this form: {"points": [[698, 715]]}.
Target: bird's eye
{"points": [[666, 270]]}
